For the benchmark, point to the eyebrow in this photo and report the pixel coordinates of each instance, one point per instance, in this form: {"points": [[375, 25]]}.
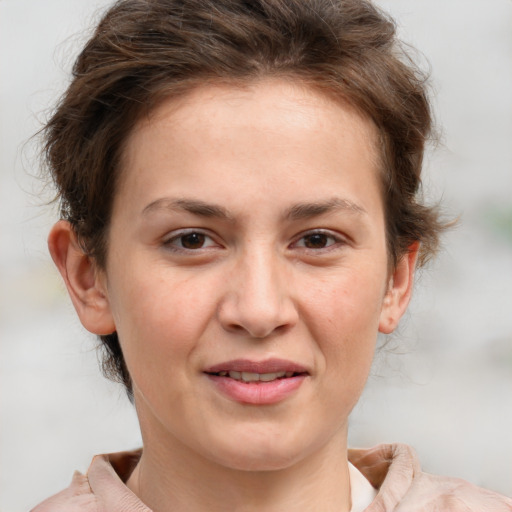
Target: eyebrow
{"points": [[296, 212], [196, 207], [314, 209]]}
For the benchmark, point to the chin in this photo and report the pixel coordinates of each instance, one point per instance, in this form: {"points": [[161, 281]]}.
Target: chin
{"points": [[260, 452]]}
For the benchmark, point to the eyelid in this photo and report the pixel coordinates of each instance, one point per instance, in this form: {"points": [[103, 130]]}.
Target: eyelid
{"points": [[169, 238], [338, 238], [178, 233]]}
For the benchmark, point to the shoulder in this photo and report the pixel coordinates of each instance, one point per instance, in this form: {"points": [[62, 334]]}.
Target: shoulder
{"points": [[78, 497], [429, 493], [103, 489], [402, 486]]}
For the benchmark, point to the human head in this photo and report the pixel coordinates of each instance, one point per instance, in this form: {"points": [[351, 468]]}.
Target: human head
{"points": [[145, 51]]}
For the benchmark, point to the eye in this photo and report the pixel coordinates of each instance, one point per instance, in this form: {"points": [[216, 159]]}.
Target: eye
{"points": [[190, 241], [318, 240]]}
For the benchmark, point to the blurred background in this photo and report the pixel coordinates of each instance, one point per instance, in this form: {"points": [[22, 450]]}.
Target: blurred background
{"points": [[442, 383]]}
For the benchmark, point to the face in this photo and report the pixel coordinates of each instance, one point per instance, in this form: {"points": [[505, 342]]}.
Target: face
{"points": [[247, 273]]}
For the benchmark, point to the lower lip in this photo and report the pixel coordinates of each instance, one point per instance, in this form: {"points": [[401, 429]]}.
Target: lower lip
{"points": [[258, 393]]}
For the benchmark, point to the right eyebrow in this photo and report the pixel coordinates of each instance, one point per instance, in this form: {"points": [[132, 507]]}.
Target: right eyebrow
{"points": [[193, 206], [315, 209]]}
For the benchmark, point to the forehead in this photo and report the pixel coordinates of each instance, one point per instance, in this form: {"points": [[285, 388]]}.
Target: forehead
{"points": [[264, 130], [262, 104]]}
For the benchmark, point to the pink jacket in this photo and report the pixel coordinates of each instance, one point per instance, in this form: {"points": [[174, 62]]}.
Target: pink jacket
{"points": [[393, 469]]}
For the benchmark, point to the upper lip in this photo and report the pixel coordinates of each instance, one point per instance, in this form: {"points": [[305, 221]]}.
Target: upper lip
{"points": [[267, 366]]}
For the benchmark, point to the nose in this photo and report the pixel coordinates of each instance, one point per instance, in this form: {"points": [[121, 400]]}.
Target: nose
{"points": [[258, 301]]}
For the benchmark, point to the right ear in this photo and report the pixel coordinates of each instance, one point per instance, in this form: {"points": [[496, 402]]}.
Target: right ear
{"points": [[86, 284]]}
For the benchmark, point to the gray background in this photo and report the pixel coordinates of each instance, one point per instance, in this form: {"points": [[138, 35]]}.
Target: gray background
{"points": [[444, 382]]}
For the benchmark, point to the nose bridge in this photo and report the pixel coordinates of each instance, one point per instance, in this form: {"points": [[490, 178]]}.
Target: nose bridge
{"points": [[262, 288], [259, 299]]}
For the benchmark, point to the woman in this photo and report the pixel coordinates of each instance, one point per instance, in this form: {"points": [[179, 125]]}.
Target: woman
{"points": [[239, 220]]}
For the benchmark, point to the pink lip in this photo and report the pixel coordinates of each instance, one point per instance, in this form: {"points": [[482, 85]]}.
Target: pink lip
{"points": [[266, 366], [257, 393]]}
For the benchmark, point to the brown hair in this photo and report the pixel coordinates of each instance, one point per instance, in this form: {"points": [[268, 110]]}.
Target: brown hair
{"points": [[145, 50]]}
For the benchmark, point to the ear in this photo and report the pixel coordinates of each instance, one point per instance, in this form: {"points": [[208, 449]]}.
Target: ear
{"points": [[84, 281], [399, 291]]}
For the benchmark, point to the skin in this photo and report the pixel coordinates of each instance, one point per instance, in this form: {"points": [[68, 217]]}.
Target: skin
{"points": [[289, 261]]}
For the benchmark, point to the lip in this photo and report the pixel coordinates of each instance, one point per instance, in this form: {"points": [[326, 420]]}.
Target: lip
{"points": [[266, 366], [257, 393]]}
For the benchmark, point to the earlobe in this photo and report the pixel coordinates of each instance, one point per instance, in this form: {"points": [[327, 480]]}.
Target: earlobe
{"points": [[85, 284], [399, 291]]}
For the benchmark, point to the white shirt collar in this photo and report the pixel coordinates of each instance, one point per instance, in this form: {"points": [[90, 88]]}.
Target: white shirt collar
{"points": [[361, 491]]}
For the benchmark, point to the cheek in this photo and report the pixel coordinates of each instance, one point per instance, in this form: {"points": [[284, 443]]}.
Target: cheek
{"points": [[344, 314], [346, 304], [159, 320]]}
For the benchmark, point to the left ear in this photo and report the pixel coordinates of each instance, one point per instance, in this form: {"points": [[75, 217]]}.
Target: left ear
{"points": [[399, 291]]}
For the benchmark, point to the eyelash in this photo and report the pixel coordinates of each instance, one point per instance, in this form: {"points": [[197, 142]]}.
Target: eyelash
{"points": [[168, 243], [336, 240]]}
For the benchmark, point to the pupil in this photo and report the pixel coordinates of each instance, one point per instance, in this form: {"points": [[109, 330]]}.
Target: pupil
{"points": [[316, 241], [192, 241]]}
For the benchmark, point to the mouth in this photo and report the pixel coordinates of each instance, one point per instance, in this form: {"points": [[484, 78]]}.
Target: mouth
{"points": [[256, 377], [257, 382], [246, 370]]}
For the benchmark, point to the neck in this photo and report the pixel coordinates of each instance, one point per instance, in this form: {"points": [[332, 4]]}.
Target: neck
{"points": [[171, 477]]}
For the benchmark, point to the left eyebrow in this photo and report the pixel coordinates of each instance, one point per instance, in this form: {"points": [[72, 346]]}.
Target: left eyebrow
{"points": [[193, 206], [314, 209]]}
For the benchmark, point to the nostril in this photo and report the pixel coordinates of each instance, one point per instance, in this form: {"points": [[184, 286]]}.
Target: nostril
{"points": [[235, 328]]}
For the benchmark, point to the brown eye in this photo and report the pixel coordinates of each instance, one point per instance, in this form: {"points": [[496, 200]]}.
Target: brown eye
{"points": [[189, 242], [192, 240], [316, 241]]}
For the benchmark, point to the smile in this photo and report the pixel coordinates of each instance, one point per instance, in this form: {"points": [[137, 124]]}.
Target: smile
{"points": [[257, 383], [255, 377]]}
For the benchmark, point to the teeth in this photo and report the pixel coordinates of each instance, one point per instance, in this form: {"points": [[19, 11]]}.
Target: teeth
{"points": [[250, 377], [266, 377], [255, 377]]}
